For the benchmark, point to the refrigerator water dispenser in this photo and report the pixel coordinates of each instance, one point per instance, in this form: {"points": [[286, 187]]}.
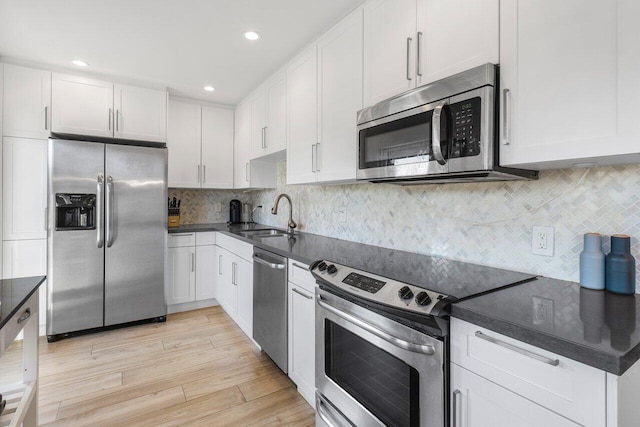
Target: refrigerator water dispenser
{"points": [[75, 211]]}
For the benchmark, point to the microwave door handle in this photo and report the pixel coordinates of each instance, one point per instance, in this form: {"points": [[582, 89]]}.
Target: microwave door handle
{"points": [[436, 133]]}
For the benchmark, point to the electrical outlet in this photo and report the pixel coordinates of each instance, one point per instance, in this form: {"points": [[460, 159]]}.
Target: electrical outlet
{"points": [[218, 207], [542, 240], [542, 312], [341, 213]]}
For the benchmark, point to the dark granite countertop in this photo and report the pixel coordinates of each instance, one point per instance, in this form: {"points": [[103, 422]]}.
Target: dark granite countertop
{"points": [[458, 279], [14, 293], [597, 328]]}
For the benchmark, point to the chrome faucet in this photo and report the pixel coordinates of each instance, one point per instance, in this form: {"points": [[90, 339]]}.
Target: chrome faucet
{"points": [[274, 210]]}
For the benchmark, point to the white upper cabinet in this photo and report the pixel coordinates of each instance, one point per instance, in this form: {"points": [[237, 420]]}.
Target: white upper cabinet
{"points": [[183, 142], [242, 146], [340, 97], [268, 117], [302, 118], [569, 83], [389, 48], [81, 106], [454, 36], [24, 184], [140, 113], [217, 147], [26, 102]]}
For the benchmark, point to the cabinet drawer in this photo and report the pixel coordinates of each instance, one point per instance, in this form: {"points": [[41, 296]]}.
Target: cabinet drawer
{"points": [[233, 245], [17, 322], [177, 240], [300, 275], [563, 385], [205, 238]]}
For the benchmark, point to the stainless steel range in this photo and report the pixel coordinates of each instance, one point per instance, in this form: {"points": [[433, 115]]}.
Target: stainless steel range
{"points": [[384, 347]]}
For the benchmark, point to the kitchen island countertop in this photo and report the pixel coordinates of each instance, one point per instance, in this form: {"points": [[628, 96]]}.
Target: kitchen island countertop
{"points": [[14, 293]]}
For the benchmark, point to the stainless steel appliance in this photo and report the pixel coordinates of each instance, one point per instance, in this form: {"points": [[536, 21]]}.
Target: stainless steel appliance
{"points": [[383, 345], [270, 305], [441, 132], [107, 224]]}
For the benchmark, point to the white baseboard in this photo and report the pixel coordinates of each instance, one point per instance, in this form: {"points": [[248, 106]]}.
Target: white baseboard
{"points": [[186, 306]]}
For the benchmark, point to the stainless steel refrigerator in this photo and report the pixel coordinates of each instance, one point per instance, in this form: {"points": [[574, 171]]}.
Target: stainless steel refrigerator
{"points": [[107, 226]]}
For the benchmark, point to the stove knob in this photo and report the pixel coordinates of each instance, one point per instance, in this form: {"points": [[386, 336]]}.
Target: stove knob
{"points": [[405, 293], [332, 269], [423, 298], [322, 266]]}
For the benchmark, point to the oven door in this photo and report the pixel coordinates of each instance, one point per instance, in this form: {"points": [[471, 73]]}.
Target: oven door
{"points": [[372, 371], [410, 143]]}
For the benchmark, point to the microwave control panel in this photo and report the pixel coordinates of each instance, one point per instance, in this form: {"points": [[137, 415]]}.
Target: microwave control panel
{"points": [[465, 119]]}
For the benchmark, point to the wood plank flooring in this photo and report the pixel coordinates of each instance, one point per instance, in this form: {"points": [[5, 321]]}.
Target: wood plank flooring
{"points": [[197, 369]]}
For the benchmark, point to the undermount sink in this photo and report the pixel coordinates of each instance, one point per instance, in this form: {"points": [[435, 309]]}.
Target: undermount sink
{"points": [[269, 232]]}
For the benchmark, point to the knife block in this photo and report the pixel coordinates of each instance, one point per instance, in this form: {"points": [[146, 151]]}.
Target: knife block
{"points": [[173, 220]]}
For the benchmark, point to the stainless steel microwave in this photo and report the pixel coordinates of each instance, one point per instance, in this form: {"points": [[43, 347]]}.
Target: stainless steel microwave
{"points": [[441, 132]]}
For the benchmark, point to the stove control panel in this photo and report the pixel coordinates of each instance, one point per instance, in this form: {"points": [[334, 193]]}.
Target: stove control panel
{"points": [[379, 289]]}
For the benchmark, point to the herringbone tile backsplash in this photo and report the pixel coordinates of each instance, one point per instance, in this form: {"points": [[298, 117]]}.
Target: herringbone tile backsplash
{"points": [[484, 223]]}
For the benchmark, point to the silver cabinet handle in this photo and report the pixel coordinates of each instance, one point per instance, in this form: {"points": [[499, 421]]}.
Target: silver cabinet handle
{"points": [[436, 135], [193, 262], [264, 137], [198, 166], [543, 359], [219, 264], [418, 55], [313, 158], [300, 293], [234, 273], [180, 234], [408, 56], [46, 219], [262, 261], [318, 157], [455, 408], [109, 219], [505, 118], [405, 345], [99, 211], [301, 267], [246, 171], [117, 120], [204, 173], [46, 117], [25, 315], [109, 118]]}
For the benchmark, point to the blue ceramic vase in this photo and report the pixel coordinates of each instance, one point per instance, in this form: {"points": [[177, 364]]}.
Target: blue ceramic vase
{"points": [[592, 262], [620, 266]]}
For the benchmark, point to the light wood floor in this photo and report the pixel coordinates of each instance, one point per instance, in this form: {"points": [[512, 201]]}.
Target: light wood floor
{"points": [[197, 369]]}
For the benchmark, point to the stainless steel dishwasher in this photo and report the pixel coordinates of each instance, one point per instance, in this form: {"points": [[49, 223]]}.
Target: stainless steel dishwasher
{"points": [[270, 305]]}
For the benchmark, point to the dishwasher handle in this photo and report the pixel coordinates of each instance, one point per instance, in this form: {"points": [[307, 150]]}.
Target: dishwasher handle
{"points": [[273, 265]]}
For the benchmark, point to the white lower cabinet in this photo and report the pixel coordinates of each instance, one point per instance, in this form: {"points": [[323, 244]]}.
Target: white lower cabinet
{"points": [[205, 272], [478, 402], [25, 258], [235, 281], [182, 275]]}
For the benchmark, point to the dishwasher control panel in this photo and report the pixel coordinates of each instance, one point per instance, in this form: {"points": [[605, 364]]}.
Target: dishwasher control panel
{"points": [[383, 290]]}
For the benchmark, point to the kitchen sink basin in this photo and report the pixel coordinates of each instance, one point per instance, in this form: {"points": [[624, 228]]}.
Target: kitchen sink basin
{"points": [[269, 232]]}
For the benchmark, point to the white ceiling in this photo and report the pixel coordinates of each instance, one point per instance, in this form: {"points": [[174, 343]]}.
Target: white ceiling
{"points": [[181, 44]]}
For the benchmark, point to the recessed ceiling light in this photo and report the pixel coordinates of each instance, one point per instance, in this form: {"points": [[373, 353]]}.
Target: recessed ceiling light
{"points": [[79, 63], [251, 35], [209, 88]]}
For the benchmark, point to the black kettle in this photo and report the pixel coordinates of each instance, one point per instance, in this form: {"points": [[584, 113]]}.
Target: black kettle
{"points": [[235, 211]]}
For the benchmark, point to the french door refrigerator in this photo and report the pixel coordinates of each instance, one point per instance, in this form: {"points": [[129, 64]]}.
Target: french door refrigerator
{"points": [[107, 224]]}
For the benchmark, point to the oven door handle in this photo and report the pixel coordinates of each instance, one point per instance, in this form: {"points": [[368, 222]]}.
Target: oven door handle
{"points": [[436, 135], [405, 345]]}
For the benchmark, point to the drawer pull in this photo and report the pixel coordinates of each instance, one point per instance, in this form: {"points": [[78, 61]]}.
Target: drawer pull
{"points": [[301, 267], [548, 361], [300, 293], [24, 316]]}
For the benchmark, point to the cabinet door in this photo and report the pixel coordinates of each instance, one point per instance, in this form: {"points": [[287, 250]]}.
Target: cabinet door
{"points": [[26, 102], [258, 123], [81, 106], [302, 342], [206, 273], [477, 402], [25, 258], [181, 280], [141, 114], [454, 36], [24, 176], [241, 146], [183, 142], [340, 89], [275, 134], [244, 285], [569, 78], [302, 112], [389, 48], [217, 147], [227, 291]]}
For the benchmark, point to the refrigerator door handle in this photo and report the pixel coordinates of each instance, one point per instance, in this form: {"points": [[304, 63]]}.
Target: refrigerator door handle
{"points": [[99, 211], [109, 209]]}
